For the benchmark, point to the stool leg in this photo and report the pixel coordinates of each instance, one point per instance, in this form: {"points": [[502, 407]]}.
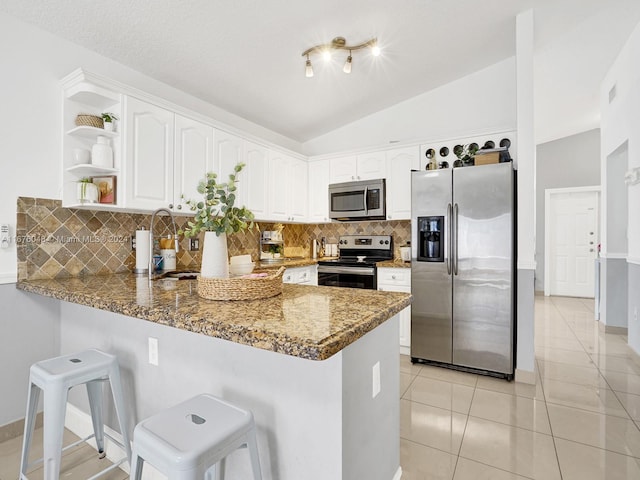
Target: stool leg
{"points": [[118, 400], [135, 473], [55, 403], [33, 395], [94, 391], [253, 454]]}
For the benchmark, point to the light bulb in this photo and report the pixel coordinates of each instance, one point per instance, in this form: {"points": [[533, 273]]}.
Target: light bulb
{"points": [[326, 55], [375, 51], [347, 65], [308, 69]]}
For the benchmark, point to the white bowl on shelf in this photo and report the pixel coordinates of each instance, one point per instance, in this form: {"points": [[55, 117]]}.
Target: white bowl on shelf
{"points": [[241, 268]]}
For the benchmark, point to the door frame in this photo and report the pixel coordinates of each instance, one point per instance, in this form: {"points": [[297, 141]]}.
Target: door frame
{"points": [[548, 193]]}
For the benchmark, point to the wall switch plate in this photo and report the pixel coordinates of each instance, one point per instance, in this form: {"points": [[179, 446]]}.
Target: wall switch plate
{"points": [[5, 238], [376, 380], [153, 351], [194, 244]]}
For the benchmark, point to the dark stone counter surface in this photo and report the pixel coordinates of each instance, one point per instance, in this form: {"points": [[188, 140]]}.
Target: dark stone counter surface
{"points": [[304, 321]]}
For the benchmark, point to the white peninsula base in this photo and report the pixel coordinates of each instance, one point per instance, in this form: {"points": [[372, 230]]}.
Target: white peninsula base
{"points": [[316, 420]]}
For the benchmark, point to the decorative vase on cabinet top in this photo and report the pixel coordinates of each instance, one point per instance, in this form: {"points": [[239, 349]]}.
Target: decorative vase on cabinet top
{"points": [[102, 153]]}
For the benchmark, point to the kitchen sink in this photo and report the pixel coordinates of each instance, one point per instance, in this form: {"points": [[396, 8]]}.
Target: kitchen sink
{"points": [[177, 274]]}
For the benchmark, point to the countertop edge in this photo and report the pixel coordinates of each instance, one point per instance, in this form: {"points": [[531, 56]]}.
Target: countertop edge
{"points": [[280, 343]]}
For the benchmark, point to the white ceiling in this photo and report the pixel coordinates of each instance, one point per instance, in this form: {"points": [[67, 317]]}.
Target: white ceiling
{"points": [[245, 55]]}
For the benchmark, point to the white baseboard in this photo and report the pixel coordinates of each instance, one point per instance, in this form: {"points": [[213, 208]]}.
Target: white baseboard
{"points": [[398, 474], [79, 423], [405, 350]]}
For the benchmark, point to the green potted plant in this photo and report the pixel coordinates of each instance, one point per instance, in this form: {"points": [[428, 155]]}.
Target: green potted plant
{"points": [[216, 215], [87, 191], [108, 119]]}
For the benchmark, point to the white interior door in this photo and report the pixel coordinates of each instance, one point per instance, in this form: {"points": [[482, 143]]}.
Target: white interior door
{"points": [[573, 237]]}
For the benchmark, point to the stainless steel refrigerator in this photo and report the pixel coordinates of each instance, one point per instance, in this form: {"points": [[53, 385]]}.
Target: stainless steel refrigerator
{"points": [[462, 268]]}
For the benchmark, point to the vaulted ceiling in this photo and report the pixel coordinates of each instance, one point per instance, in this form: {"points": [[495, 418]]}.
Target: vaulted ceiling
{"points": [[245, 55]]}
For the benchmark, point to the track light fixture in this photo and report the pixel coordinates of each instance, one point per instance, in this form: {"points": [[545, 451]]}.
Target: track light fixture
{"points": [[338, 43]]}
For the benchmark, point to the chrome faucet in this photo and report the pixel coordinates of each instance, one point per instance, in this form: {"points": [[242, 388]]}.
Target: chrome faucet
{"points": [[175, 237]]}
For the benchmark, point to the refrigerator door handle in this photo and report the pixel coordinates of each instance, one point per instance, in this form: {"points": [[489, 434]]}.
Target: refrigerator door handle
{"points": [[455, 239], [449, 253]]}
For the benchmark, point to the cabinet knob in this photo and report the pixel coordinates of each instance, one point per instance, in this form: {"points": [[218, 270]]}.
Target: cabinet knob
{"points": [[393, 277], [171, 205], [180, 207]]}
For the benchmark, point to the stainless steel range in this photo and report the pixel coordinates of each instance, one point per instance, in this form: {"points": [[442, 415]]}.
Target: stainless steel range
{"points": [[356, 265]]}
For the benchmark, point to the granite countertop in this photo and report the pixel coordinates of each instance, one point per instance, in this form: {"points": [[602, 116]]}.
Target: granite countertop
{"points": [[397, 263], [305, 321], [287, 263]]}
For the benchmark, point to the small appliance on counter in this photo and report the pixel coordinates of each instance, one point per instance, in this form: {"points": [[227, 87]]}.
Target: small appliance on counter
{"points": [[271, 246]]}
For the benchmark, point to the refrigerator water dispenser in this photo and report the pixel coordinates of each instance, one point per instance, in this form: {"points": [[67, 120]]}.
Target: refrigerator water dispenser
{"points": [[431, 239]]}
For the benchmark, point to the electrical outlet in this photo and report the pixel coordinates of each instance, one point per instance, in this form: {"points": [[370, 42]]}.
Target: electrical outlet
{"points": [[375, 390], [194, 244], [153, 351]]}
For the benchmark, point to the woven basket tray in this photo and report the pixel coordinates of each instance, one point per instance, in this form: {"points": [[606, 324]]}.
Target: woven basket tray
{"points": [[241, 288], [86, 120]]}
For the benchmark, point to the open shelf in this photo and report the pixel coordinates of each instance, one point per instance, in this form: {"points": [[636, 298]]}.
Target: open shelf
{"points": [[91, 132], [87, 170]]}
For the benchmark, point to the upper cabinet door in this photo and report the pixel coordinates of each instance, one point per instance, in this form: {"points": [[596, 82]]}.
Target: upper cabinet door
{"points": [[278, 186], [318, 187], [400, 162], [257, 159], [344, 169], [298, 190], [229, 152], [372, 165], [193, 159], [149, 155]]}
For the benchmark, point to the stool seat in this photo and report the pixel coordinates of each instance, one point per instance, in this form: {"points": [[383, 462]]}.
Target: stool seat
{"points": [[55, 377], [188, 439]]}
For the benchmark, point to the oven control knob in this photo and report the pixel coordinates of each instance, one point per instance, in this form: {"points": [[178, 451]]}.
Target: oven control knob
{"points": [[386, 242], [381, 242]]}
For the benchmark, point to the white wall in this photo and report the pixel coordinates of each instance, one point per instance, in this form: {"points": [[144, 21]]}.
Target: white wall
{"points": [[620, 124], [33, 62], [483, 102], [569, 162]]}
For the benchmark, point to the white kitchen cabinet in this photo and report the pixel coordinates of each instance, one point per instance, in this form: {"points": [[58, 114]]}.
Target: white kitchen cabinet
{"points": [[166, 156], [399, 280], [229, 151], [302, 275], [193, 159], [149, 153], [84, 94], [318, 187], [400, 162], [287, 188], [254, 178], [361, 167], [298, 187]]}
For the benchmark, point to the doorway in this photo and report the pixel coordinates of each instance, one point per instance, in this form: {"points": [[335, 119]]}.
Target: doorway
{"points": [[572, 236]]}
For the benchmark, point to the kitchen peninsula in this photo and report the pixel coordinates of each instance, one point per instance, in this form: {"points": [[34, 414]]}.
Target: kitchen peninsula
{"points": [[318, 366]]}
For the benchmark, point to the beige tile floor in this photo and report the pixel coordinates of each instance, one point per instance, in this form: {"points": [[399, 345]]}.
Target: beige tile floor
{"points": [[580, 422]]}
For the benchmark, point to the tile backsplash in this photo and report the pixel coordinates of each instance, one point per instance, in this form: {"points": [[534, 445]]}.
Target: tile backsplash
{"points": [[54, 242]]}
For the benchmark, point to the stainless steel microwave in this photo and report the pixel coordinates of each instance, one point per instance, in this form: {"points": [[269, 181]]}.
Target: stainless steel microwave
{"points": [[364, 200]]}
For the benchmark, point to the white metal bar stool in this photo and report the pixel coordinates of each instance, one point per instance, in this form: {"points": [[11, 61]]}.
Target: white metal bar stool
{"points": [[55, 377], [191, 440]]}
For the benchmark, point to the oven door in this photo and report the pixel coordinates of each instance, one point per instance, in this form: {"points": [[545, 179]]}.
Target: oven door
{"points": [[351, 277]]}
